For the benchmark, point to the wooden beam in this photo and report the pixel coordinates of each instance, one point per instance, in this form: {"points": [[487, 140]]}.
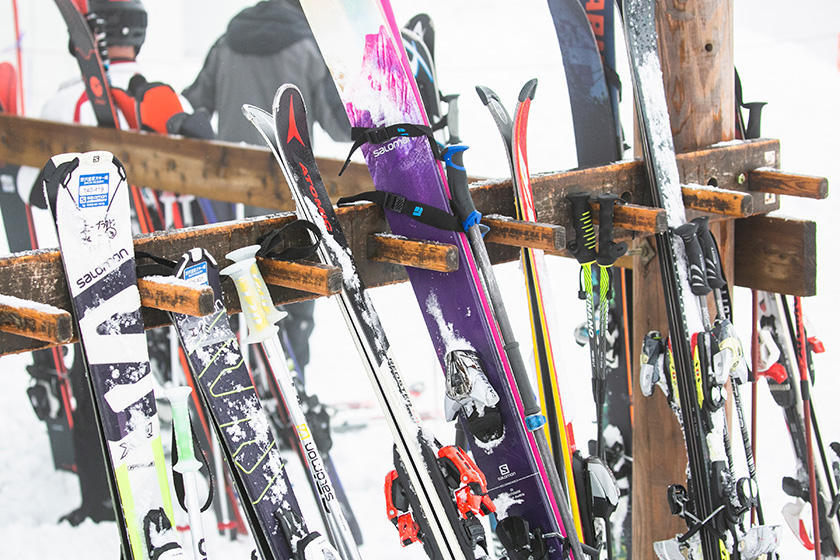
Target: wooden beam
{"points": [[310, 277], [35, 320], [170, 294], [718, 201], [774, 181], [695, 46], [237, 173], [521, 234], [428, 255], [217, 170], [776, 255]]}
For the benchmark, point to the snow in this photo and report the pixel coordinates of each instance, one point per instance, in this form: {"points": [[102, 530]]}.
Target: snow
{"points": [[787, 57]]}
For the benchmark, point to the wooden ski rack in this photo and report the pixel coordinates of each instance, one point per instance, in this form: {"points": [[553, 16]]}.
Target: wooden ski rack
{"points": [[730, 181]]}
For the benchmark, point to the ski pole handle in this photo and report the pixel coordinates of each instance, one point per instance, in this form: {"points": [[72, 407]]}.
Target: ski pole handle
{"points": [[714, 268], [583, 245], [608, 250], [456, 176], [250, 252], [247, 279], [187, 464], [178, 398], [697, 268]]}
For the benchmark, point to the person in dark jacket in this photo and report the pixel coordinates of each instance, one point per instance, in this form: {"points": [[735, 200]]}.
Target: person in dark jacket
{"points": [[265, 46]]}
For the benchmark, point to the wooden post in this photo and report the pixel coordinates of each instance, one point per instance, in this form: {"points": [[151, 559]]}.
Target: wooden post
{"points": [[695, 45]]}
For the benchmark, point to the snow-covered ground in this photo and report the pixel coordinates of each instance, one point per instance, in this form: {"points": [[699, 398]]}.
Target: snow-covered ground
{"points": [[787, 57]]}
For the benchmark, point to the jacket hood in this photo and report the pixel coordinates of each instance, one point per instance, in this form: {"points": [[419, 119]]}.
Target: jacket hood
{"points": [[268, 27]]}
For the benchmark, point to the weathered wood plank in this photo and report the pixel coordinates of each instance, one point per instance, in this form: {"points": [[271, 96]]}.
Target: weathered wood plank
{"points": [[522, 234], [709, 199], [310, 277], [162, 293], [238, 173], [217, 170], [37, 321], [781, 182], [411, 252], [776, 255]]}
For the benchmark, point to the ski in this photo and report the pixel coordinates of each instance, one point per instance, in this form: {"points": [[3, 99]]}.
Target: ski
{"points": [[373, 77], [597, 138], [240, 423], [540, 304], [90, 52], [421, 499], [585, 33], [777, 365], [709, 503], [318, 418], [88, 197]]}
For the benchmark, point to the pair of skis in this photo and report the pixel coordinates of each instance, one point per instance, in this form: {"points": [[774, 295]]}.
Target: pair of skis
{"points": [[709, 502], [88, 196], [425, 501], [779, 349]]}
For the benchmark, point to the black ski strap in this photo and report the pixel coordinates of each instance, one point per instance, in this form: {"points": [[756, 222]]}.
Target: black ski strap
{"points": [[158, 267], [272, 239], [420, 212], [178, 478], [381, 134]]}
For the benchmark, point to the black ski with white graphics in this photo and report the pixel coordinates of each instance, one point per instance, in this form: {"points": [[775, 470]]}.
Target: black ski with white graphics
{"points": [[708, 481], [422, 464], [88, 197], [240, 423]]}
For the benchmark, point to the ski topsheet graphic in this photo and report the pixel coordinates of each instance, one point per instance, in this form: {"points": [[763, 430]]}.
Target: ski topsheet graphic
{"points": [[88, 197], [361, 45], [243, 428], [422, 501]]}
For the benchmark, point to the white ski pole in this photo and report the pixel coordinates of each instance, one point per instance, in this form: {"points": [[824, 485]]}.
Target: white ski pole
{"points": [[260, 315], [187, 464]]}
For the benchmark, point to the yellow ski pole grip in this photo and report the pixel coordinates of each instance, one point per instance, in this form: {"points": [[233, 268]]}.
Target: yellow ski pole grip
{"points": [[243, 272]]}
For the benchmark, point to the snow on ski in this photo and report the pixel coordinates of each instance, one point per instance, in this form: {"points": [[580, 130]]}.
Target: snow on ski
{"points": [[360, 43], [708, 504], [242, 427], [443, 531], [88, 196]]}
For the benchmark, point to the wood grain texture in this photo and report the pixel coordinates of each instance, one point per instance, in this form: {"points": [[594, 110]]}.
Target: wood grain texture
{"points": [[695, 46], [522, 234], [427, 255], [159, 293], [45, 324], [794, 184], [776, 255]]}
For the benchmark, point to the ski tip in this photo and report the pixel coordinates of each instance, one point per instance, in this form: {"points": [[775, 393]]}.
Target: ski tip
{"points": [[252, 111], [281, 91], [486, 94], [528, 90]]}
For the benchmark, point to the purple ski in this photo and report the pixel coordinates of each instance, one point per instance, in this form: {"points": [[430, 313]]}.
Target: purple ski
{"points": [[360, 41]]}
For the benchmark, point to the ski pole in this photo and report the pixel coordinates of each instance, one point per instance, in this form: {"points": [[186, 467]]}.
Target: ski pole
{"points": [[608, 252], [261, 316], [805, 390], [717, 281], [534, 420], [187, 465]]}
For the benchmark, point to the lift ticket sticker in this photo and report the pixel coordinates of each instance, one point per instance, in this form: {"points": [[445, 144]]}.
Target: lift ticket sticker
{"points": [[93, 190], [197, 274]]}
